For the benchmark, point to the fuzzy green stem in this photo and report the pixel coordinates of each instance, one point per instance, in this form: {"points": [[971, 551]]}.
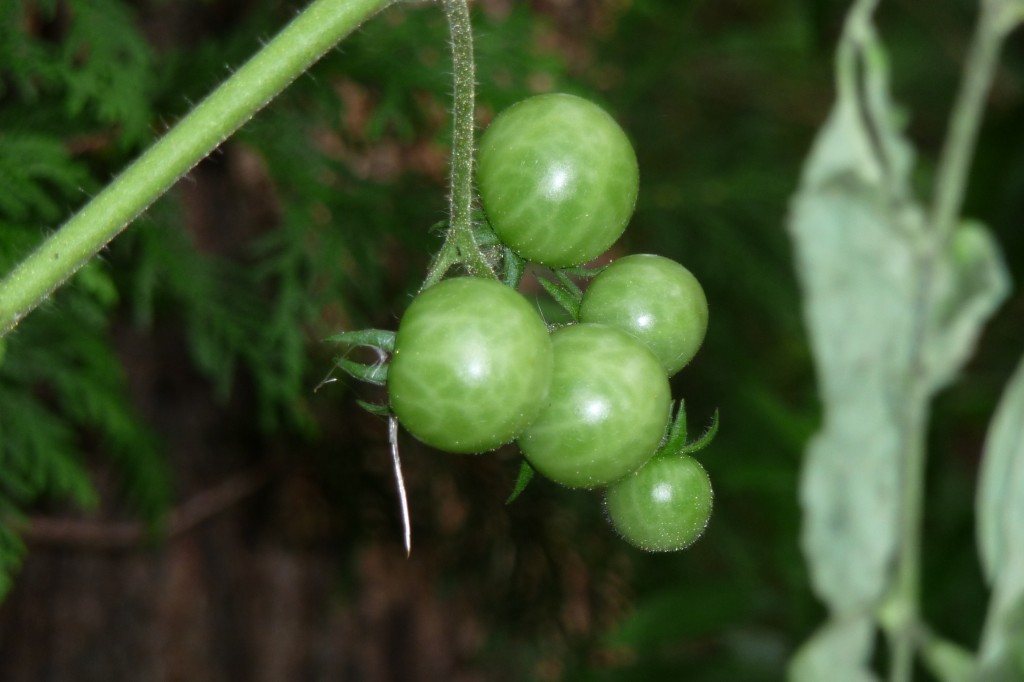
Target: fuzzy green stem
{"points": [[302, 42], [460, 245]]}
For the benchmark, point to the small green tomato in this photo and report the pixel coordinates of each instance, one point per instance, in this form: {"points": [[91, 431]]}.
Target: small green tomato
{"points": [[606, 411], [655, 299], [558, 179], [471, 366], [664, 506]]}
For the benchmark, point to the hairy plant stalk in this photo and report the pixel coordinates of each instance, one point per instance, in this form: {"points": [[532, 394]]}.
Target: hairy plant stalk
{"points": [[311, 34], [460, 245]]}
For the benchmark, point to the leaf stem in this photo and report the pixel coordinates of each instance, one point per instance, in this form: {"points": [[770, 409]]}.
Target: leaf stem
{"points": [[301, 43], [460, 245], [997, 18], [994, 23]]}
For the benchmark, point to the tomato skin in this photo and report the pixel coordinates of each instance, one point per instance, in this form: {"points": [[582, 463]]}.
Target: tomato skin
{"points": [[558, 179], [606, 411], [655, 299], [471, 366], [662, 507]]}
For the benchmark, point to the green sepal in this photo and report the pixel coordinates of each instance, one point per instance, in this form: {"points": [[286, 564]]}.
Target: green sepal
{"points": [[383, 339], [569, 285], [562, 297], [515, 266], [483, 235], [705, 438], [377, 373], [675, 443], [676, 437], [525, 476], [585, 273], [375, 409]]}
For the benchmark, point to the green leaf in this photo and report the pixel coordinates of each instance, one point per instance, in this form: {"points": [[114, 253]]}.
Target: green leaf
{"points": [[969, 283], [525, 476], [836, 653], [858, 239], [947, 661], [1000, 514], [892, 315]]}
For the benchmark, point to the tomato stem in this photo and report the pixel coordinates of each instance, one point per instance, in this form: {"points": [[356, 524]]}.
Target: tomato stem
{"points": [[460, 245], [301, 43]]}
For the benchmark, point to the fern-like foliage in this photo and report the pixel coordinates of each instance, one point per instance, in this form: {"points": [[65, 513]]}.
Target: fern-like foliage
{"points": [[61, 384], [354, 156]]}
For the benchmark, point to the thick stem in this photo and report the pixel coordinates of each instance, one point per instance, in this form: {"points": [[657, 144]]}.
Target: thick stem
{"points": [[311, 34], [460, 246]]}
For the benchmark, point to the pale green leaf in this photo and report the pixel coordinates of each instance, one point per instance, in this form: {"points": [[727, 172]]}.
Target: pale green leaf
{"points": [[892, 315], [837, 653], [948, 661], [858, 239], [968, 284], [1000, 515]]}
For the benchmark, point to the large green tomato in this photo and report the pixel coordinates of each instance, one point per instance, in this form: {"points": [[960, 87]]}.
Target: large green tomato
{"points": [[558, 179], [656, 300], [663, 506], [606, 411], [471, 366]]}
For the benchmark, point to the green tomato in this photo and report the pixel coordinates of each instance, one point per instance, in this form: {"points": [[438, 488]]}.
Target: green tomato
{"points": [[471, 365], [656, 300], [664, 506], [558, 179], [606, 411]]}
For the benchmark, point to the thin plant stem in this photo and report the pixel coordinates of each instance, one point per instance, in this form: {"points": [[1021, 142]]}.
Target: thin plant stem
{"points": [[301, 43], [460, 245], [995, 21], [950, 186]]}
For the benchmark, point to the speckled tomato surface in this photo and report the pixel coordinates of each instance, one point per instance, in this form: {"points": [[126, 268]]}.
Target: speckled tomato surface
{"points": [[606, 411], [664, 506], [558, 179], [655, 299], [471, 366]]}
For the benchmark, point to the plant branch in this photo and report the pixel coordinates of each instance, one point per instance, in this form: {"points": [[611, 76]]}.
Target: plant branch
{"points": [[301, 43], [979, 70], [460, 245], [996, 20]]}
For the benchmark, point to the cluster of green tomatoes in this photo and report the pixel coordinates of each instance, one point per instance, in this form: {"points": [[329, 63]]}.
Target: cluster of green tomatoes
{"points": [[473, 366]]}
